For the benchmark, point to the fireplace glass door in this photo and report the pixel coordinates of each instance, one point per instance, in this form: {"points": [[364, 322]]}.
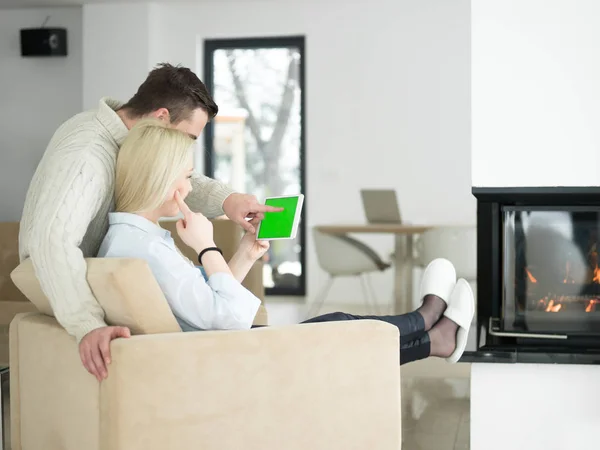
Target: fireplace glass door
{"points": [[551, 277]]}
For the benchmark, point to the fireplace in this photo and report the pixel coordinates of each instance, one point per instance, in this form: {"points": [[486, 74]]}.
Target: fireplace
{"points": [[538, 285]]}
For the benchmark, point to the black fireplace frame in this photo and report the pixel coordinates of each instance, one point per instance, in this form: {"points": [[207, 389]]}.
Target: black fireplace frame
{"points": [[494, 347]]}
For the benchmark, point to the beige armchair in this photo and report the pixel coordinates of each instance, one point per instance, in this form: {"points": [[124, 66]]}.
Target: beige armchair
{"points": [[303, 387], [12, 301]]}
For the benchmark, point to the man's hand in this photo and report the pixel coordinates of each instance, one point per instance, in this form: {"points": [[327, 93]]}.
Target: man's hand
{"points": [[94, 349], [239, 207]]}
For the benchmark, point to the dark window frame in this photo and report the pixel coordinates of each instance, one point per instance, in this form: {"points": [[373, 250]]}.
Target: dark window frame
{"points": [[210, 46]]}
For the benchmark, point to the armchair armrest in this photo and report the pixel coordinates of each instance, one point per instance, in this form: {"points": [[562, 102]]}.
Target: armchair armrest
{"points": [[313, 386]]}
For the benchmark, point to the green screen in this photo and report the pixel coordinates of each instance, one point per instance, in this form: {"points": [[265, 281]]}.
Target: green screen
{"points": [[278, 224]]}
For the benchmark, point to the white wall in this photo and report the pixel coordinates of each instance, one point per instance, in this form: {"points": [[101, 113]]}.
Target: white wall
{"points": [[36, 96], [116, 46], [387, 102], [535, 92], [534, 407]]}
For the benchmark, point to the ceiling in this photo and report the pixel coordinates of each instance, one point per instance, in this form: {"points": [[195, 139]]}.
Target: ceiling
{"points": [[11, 4], [47, 3]]}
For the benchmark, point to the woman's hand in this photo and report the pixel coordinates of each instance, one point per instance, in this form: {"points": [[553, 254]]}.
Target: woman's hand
{"points": [[194, 229], [250, 247], [247, 253]]}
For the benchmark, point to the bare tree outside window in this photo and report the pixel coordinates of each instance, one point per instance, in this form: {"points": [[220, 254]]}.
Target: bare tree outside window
{"points": [[256, 142]]}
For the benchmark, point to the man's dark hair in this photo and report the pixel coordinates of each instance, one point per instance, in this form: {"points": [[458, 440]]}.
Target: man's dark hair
{"points": [[173, 87]]}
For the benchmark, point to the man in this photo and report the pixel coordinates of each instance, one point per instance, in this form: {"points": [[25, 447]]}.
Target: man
{"points": [[66, 209]]}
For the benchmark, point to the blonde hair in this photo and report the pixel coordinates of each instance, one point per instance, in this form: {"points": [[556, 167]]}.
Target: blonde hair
{"points": [[151, 159]]}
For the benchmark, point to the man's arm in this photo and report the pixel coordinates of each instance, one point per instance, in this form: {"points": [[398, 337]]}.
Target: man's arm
{"points": [[65, 211], [207, 196], [212, 199]]}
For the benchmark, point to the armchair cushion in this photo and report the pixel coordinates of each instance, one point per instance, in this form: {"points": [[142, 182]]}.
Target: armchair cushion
{"points": [[125, 288]]}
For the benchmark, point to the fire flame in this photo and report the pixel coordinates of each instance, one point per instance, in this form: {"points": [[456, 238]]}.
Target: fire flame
{"points": [[531, 277], [596, 278], [556, 304], [592, 305], [552, 307]]}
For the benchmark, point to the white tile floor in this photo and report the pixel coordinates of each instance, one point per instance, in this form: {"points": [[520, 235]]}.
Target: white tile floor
{"points": [[435, 395], [435, 410]]}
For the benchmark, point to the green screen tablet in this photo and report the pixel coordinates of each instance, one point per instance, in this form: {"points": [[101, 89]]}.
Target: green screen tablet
{"points": [[283, 224]]}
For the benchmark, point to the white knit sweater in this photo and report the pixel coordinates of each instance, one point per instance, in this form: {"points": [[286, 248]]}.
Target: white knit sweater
{"points": [[65, 216]]}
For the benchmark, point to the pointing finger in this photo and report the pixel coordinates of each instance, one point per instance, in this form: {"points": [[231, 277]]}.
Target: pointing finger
{"points": [[183, 207], [266, 208]]}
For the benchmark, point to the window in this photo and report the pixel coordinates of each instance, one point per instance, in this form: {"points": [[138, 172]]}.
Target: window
{"points": [[256, 143]]}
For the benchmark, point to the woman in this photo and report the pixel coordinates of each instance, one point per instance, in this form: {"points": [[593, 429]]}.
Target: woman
{"points": [[153, 170]]}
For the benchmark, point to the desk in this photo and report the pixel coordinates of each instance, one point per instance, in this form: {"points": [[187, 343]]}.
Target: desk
{"points": [[403, 254]]}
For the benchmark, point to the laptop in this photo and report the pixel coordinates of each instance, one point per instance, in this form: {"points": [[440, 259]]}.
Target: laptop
{"points": [[381, 205]]}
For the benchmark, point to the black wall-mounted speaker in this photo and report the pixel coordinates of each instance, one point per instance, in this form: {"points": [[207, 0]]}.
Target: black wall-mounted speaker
{"points": [[44, 42]]}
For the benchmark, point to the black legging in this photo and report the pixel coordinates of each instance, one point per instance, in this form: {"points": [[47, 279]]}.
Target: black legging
{"points": [[414, 341]]}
